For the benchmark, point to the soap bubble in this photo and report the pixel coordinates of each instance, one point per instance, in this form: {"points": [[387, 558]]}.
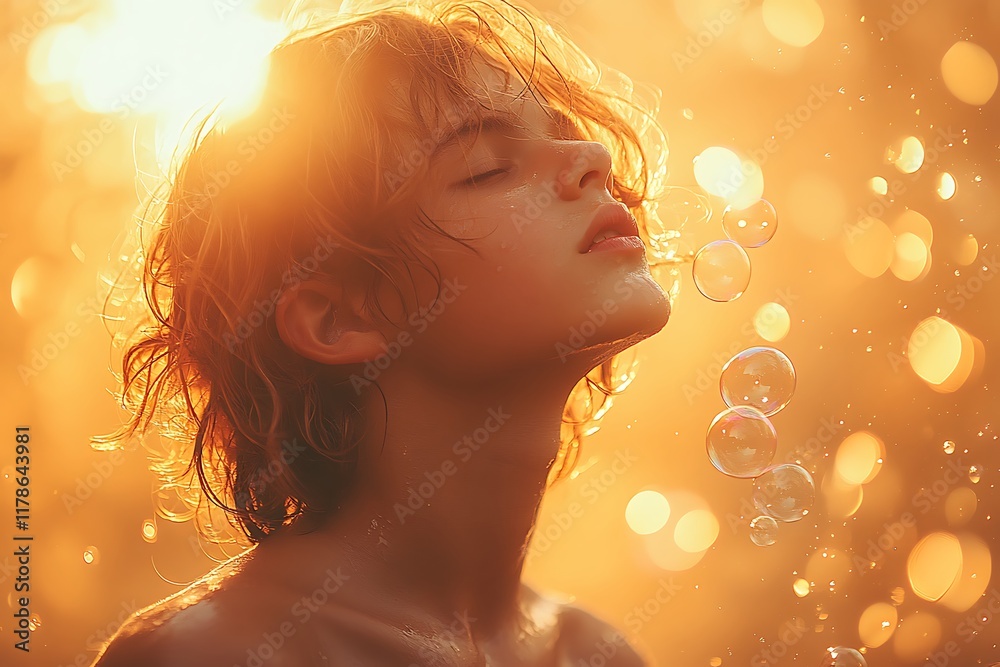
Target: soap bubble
{"points": [[721, 270], [842, 656], [741, 441], [752, 226], [785, 492], [763, 531], [762, 377]]}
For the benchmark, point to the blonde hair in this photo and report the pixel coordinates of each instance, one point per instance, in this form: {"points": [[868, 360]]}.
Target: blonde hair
{"points": [[202, 361]]}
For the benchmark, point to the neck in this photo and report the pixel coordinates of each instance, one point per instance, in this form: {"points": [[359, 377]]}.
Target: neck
{"points": [[442, 513]]}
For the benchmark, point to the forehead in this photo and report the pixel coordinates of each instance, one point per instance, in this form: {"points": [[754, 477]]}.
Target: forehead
{"points": [[498, 90]]}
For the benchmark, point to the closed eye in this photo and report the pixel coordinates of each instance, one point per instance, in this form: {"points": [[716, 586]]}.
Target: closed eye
{"points": [[484, 176]]}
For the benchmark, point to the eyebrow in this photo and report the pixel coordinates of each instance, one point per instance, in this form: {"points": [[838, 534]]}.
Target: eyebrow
{"points": [[500, 120]]}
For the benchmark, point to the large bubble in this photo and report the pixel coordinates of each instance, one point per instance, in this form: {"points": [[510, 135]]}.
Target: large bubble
{"points": [[762, 377]]}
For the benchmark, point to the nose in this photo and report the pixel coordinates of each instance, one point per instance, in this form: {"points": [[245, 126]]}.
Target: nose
{"points": [[589, 167]]}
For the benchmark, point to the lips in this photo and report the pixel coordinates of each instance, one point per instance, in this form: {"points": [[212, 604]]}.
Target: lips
{"points": [[612, 219]]}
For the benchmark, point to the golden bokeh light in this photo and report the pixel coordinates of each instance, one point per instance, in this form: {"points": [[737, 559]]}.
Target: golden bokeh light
{"points": [[969, 72], [800, 587], [974, 577], [870, 247], [843, 499], [911, 258], [859, 457], [722, 172], [794, 22], [934, 564], [907, 154], [916, 636], [696, 531], [647, 512], [967, 251], [946, 187], [877, 623], [879, 185], [960, 506], [771, 322], [943, 354]]}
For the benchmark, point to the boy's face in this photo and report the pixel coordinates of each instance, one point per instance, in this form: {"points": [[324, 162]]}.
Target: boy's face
{"points": [[530, 294]]}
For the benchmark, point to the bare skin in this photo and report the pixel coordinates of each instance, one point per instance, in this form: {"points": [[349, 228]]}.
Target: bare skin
{"points": [[475, 402]]}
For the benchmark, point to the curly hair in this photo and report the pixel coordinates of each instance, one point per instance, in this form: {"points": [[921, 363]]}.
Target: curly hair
{"points": [[316, 181]]}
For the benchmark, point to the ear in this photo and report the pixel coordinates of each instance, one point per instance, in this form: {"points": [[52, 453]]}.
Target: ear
{"points": [[316, 321]]}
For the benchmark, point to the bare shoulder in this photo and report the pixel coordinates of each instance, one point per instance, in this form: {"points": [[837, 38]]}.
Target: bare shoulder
{"points": [[590, 636], [589, 639], [220, 619]]}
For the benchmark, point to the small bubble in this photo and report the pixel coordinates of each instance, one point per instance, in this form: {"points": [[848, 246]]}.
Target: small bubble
{"points": [[762, 377], [785, 492], [688, 114], [752, 226], [763, 531], [841, 656], [91, 555], [721, 270], [845, 47], [741, 441], [949, 447]]}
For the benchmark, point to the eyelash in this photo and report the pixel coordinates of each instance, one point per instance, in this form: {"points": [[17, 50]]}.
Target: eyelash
{"points": [[482, 177]]}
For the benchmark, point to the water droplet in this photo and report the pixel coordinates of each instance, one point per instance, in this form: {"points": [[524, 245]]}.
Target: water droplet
{"points": [[148, 531], [845, 47], [741, 442], [762, 377], [975, 474], [752, 226], [721, 270], [763, 531], [949, 447], [785, 492], [91, 556]]}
